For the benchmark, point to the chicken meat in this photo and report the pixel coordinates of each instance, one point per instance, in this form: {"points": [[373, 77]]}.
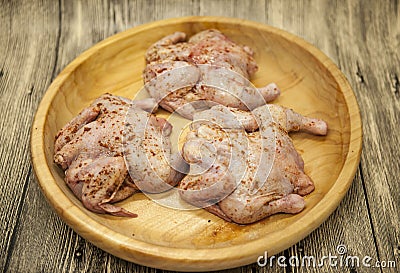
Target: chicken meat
{"points": [[244, 166], [209, 68], [94, 148]]}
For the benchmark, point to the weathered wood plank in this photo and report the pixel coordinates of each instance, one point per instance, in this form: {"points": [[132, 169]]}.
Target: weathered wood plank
{"points": [[23, 48], [369, 55], [316, 22], [56, 247]]}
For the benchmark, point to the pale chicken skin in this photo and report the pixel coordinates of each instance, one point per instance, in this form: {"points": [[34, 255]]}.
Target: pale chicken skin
{"points": [[187, 77], [90, 149], [244, 164]]}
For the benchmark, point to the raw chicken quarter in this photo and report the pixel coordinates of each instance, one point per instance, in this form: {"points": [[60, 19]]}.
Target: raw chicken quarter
{"points": [[250, 175], [209, 68], [91, 149]]}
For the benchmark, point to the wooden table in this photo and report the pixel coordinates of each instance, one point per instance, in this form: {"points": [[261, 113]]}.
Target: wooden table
{"points": [[38, 39]]}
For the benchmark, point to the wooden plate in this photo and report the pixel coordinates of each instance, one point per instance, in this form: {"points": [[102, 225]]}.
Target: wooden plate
{"points": [[171, 239]]}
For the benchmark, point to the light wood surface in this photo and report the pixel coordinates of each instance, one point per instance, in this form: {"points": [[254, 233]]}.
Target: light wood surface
{"points": [[196, 240], [40, 39]]}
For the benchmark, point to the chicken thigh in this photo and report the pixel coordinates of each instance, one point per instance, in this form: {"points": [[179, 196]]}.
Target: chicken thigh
{"points": [[243, 175], [93, 150], [187, 76]]}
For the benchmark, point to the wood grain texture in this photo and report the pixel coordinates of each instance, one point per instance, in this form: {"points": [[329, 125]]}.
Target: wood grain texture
{"points": [[362, 37], [22, 50]]}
